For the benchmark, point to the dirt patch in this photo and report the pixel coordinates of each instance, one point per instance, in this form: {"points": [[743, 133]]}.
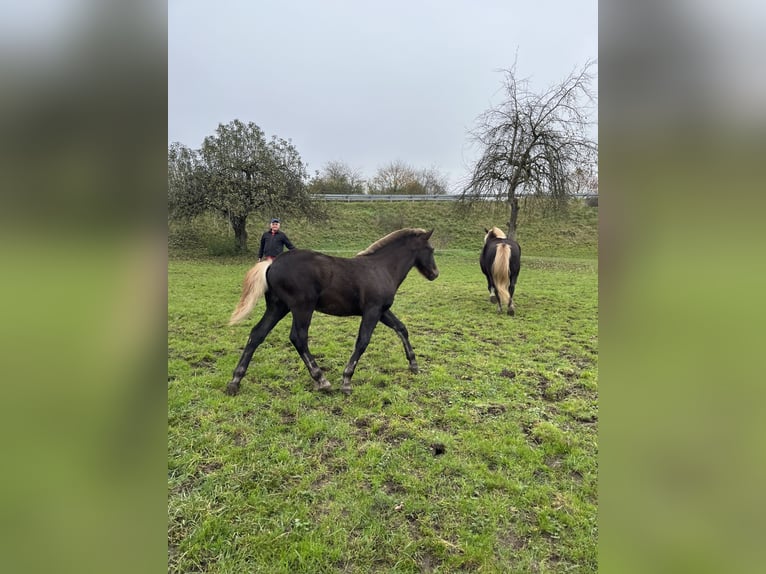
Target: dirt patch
{"points": [[429, 563], [288, 418], [492, 410], [239, 438], [586, 418], [508, 374], [512, 540], [552, 461], [438, 449], [329, 449], [208, 467], [185, 487], [391, 487], [205, 363], [441, 424], [551, 390]]}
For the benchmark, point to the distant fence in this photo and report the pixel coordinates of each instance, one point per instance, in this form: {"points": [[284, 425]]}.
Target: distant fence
{"points": [[377, 197], [381, 197]]}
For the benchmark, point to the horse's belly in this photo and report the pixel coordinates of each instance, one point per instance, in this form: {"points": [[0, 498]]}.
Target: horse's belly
{"points": [[337, 306]]}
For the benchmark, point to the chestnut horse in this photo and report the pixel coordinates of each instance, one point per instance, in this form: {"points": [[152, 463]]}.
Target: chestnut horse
{"points": [[302, 281], [500, 262]]}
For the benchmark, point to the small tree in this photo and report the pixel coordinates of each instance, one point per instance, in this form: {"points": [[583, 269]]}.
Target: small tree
{"points": [[432, 181], [185, 194], [533, 143], [237, 172], [396, 178], [400, 178], [337, 177]]}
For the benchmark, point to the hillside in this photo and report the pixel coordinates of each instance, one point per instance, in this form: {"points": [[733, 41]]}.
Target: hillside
{"points": [[352, 226]]}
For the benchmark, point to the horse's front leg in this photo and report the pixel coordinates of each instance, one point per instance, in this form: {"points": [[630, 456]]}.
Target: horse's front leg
{"points": [[275, 312], [299, 337], [369, 320], [390, 320]]}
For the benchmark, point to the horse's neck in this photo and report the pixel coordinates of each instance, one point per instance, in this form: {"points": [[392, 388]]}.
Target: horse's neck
{"points": [[400, 261]]}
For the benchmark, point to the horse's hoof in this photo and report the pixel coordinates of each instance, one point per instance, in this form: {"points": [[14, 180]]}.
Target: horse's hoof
{"points": [[323, 385], [414, 369], [492, 299], [511, 311], [231, 389], [346, 390]]}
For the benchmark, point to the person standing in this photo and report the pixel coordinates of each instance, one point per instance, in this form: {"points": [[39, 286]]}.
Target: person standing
{"points": [[273, 242]]}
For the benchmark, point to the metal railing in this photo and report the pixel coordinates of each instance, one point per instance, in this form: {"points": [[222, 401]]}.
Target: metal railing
{"points": [[382, 197], [397, 197]]}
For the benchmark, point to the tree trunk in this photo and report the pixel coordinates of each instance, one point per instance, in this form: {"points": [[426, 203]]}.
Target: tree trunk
{"points": [[514, 218], [238, 223]]}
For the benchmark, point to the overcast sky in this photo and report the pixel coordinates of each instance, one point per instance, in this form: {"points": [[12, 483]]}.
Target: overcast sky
{"points": [[364, 82]]}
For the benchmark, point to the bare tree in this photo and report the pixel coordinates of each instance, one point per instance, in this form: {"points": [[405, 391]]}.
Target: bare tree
{"points": [[395, 178], [584, 181], [433, 181], [401, 178], [533, 143]]}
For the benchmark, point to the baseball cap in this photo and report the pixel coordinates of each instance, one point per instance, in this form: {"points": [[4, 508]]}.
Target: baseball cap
{"points": [[275, 220]]}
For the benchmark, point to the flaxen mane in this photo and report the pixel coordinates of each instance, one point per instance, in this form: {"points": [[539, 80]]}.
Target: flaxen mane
{"points": [[496, 232], [390, 238]]}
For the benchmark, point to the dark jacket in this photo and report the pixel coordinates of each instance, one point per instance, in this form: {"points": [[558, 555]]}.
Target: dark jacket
{"points": [[272, 244]]}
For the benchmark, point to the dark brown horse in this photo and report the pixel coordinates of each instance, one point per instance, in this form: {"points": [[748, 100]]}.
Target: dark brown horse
{"points": [[500, 262], [301, 281]]}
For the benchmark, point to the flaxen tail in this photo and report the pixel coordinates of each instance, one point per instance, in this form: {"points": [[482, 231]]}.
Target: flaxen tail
{"points": [[501, 274], [253, 288]]}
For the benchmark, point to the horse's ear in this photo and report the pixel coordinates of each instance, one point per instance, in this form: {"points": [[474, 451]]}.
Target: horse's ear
{"points": [[486, 230], [428, 234]]}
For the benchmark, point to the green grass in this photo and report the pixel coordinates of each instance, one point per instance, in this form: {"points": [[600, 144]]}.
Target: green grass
{"points": [[283, 479]]}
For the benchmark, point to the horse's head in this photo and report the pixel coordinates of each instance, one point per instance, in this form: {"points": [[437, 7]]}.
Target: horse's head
{"points": [[494, 233], [424, 256]]}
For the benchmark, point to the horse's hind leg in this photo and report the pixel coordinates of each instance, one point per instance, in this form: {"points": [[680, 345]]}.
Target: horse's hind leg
{"points": [[299, 337], [511, 306], [369, 320], [275, 311], [390, 320], [492, 293], [512, 288], [493, 296]]}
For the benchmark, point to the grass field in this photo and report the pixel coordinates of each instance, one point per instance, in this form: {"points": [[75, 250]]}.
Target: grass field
{"points": [[485, 461]]}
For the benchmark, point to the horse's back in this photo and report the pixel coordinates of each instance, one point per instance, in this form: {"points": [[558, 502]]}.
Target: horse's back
{"points": [[310, 279], [302, 269]]}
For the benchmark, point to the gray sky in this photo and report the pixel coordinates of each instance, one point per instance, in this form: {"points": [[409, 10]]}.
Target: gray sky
{"points": [[363, 82]]}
